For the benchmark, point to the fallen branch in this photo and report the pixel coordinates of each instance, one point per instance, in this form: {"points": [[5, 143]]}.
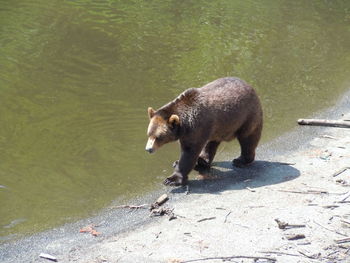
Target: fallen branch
{"points": [[229, 258], [326, 123]]}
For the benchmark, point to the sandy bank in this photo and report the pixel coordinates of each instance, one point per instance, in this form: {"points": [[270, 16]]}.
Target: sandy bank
{"points": [[233, 213]]}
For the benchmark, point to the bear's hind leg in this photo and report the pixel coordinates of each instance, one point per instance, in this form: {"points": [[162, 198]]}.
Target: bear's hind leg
{"points": [[248, 145], [207, 155]]}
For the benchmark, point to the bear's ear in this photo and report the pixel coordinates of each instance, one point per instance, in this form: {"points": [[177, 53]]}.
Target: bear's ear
{"points": [[174, 120], [151, 112]]}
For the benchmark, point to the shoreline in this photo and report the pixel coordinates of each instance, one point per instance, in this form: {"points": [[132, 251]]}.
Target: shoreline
{"points": [[292, 180]]}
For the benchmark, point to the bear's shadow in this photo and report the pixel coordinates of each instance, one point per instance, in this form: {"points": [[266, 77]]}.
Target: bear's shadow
{"points": [[222, 176]]}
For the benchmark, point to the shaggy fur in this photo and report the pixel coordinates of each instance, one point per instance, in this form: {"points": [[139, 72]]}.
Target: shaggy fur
{"points": [[201, 118]]}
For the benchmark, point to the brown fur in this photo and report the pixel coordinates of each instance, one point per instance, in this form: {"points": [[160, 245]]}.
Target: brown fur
{"points": [[201, 118]]}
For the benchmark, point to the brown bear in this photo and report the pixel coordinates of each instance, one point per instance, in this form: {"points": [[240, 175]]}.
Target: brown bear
{"points": [[201, 118]]}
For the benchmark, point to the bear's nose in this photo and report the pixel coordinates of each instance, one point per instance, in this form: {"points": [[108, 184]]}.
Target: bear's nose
{"points": [[150, 150]]}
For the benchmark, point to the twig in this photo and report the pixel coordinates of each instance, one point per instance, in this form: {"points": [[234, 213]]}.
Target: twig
{"points": [[284, 225], [227, 216], [341, 171], [295, 236], [303, 192], [309, 256], [289, 254], [329, 137], [279, 253], [346, 197], [330, 206], [344, 221], [48, 256], [250, 189], [309, 192], [144, 206], [344, 240], [163, 211], [205, 219], [329, 229], [229, 258], [285, 163]]}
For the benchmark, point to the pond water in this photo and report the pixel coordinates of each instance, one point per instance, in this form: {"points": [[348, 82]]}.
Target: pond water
{"points": [[76, 78]]}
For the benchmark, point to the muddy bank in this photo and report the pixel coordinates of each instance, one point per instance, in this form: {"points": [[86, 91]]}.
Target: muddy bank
{"points": [[230, 214]]}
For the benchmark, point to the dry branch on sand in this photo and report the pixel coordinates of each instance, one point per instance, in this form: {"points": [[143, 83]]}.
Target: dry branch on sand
{"points": [[326, 123]]}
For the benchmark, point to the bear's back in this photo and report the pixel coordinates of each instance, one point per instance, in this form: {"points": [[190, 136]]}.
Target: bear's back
{"points": [[226, 105]]}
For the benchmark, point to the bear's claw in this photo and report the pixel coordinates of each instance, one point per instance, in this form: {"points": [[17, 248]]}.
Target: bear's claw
{"points": [[175, 180]]}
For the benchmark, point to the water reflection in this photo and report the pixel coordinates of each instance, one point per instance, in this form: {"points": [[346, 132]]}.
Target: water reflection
{"points": [[76, 78]]}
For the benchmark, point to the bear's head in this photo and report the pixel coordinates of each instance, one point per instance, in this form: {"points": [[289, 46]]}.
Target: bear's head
{"points": [[162, 128]]}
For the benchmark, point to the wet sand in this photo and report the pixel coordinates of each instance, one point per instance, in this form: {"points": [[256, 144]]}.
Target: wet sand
{"points": [[230, 214]]}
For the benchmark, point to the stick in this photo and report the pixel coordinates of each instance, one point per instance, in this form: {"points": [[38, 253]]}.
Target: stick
{"points": [[130, 206], [346, 222], [279, 253], [205, 219], [341, 171], [48, 256], [284, 225], [346, 197], [229, 214], [231, 257], [250, 189], [310, 192], [162, 199], [303, 192], [344, 240], [334, 231], [309, 256], [295, 236], [326, 123]]}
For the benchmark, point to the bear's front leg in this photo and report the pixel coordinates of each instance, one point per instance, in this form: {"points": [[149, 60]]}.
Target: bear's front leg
{"points": [[186, 163]]}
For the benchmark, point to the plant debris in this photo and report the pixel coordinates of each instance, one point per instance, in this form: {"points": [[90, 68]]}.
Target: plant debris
{"points": [[48, 256], [284, 225], [90, 229]]}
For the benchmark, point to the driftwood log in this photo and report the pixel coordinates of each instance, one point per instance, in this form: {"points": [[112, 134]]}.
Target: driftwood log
{"points": [[327, 123]]}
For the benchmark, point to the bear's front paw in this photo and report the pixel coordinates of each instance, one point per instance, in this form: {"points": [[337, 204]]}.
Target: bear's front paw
{"points": [[175, 180], [202, 164]]}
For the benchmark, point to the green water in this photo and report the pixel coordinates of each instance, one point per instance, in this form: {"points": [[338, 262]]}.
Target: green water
{"points": [[76, 78]]}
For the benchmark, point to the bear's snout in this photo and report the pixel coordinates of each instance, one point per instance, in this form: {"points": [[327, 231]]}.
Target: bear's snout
{"points": [[150, 145], [149, 150]]}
